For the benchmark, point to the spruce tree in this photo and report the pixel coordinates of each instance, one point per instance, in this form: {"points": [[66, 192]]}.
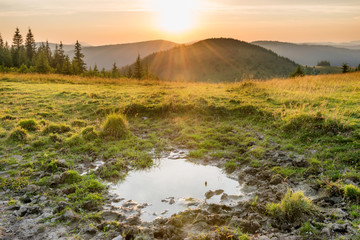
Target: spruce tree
{"points": [[61, 54], [48, 52], [114, 71], [129, 73], [96, 71], [103, 72], [138, 68], [42, 63], [299, 72], [1, 42], [58, 58], [17, 49], [78, 58], [66, 67], [30, 47], [345, 68]]}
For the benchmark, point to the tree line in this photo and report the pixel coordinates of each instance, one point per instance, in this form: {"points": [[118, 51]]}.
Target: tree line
{"points": [[26, 57]]}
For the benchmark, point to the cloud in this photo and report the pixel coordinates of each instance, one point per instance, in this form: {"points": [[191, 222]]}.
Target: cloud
{"points": [[63, 7]]}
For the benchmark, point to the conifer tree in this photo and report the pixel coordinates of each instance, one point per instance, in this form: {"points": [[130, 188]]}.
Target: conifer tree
{"points": [[78, 58], [58, 58], [30, 47], [5, 55], [96, 71], [66, 67], [114, 71], [138, 68], [42, 63], [345, 68], [103, 72], [61, 54], [299, 72], [48, 52], [17, 49], [1, 42], [129, 73]]}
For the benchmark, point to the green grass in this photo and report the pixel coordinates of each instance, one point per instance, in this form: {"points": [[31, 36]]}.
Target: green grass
{"points": [[236, 124]]}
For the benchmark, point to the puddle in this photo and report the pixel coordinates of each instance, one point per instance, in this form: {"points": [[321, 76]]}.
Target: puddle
{"points": [[173, 185]]}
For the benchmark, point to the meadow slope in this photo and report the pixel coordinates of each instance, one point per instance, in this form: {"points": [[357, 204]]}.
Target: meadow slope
{"points": [[275, 135]]}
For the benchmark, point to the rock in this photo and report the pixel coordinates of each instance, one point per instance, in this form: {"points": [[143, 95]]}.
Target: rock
{"points": [[172, 201], [326, 231], [265, 175], [118, 238], [32, 188], [250, 170], [133, 220], [61, 163], [251, 181], [59, 179], [91, 206], [27, 210], [249, 226], [42, 198], [129, 203], [112, 216], [69, 190], [219, 191], [26, 199], [300, 162], [200, 218], [90, 230], [340, 227], [276, 179], [338, 212], [60, 207], [13, 208], [224, 197], [209, 194], [22, 211], [263, 238], [69, 215]]}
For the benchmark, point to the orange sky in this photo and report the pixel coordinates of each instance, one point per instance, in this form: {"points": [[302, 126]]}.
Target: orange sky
{"points": [[119, 21]]}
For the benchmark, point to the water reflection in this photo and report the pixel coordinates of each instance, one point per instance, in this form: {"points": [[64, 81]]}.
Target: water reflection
{"points": [[172, 186]]}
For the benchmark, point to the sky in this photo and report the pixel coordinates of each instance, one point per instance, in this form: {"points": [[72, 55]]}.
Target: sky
{"points": [[118, 21]]}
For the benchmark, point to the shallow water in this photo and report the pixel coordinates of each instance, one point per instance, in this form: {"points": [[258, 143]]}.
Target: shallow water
{"points": [[173, 178]]}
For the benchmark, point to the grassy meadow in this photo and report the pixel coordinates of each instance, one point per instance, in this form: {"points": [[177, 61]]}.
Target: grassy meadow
{"points": [[52, 124]]}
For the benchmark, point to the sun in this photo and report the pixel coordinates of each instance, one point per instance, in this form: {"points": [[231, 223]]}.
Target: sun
{"points": [[176, 16]]}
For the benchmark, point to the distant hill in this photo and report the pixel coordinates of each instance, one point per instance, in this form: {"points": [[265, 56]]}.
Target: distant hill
{"points": [[218, 60], [355, 45], [66, 47], [306, 54], [122, 54]]}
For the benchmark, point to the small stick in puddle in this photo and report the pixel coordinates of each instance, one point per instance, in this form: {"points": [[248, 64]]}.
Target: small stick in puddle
{"points": [[205, 183]]}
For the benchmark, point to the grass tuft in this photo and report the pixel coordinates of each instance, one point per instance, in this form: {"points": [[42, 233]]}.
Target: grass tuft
{"points": [[115, 127], [292, 207], [57, 128], [18, 135], [352, 192], [29, 124]]}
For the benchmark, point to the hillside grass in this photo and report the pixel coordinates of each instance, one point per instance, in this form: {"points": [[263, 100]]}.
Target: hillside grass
{"points": [[64, 117]]}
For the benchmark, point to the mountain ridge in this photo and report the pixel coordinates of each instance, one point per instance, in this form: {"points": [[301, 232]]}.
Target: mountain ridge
{"points": [[307, 54], [217, 60]]}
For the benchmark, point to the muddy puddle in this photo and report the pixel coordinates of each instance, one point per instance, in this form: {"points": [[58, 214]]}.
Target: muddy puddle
{"points": [[173, 185]]}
